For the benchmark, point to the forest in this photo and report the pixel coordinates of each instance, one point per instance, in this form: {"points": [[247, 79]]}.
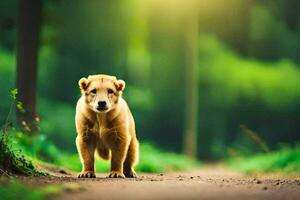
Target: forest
{"points": [[206, 81]]}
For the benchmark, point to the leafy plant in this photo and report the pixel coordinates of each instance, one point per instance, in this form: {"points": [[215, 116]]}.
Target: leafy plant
{"points": [[13, 161]]}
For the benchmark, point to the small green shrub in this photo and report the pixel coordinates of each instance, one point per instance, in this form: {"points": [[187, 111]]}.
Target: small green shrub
{"points": [[12, 159]]}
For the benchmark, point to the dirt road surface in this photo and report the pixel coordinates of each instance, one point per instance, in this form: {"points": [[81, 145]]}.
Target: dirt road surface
{"points": [[206, 183]]}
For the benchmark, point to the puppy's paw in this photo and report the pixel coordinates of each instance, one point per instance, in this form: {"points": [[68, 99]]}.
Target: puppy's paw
{"points": [[87, 174], [130, 173], [116, 174]]}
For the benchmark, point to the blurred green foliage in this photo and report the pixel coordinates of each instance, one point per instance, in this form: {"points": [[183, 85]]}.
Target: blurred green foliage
{"points": [[285, 160], [63, 116], [7, 71], [152, 159], [155, 160], [17, 190], [236, 90], [275, 84]]}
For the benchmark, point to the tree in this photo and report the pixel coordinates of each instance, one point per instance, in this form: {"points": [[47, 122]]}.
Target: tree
{"points": [[29, 21], [191, 89]]}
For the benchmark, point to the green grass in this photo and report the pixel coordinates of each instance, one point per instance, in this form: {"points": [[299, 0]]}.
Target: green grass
{"points": [[16, 190], [152, 159], [286, 160]]}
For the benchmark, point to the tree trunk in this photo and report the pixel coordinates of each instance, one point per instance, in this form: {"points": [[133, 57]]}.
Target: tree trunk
{"points": [[191, 89], [29, 21]]}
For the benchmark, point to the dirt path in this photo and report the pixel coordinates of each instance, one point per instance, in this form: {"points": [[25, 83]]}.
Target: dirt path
{"points": [[207, 183]]}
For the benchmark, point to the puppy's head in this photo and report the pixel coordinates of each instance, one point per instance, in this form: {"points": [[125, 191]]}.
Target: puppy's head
{"points": [[101, 92]]}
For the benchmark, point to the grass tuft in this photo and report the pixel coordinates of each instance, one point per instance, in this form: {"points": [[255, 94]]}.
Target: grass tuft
{"points": [[286, 160]]}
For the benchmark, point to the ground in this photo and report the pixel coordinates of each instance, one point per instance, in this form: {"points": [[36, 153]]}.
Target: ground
{"points": [[206, 183]]}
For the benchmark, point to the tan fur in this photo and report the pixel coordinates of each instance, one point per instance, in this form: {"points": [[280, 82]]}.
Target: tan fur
{"points": [[109, 132]]}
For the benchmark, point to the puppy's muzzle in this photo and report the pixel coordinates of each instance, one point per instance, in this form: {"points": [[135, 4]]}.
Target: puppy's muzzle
{"points": [[102, 106]]}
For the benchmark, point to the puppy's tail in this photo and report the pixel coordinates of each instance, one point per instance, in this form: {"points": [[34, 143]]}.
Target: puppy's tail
{"points": [[103, 152]]}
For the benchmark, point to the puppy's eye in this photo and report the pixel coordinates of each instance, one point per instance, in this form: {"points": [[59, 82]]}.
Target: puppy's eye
{"points": [[94, 91], [110, 91]]}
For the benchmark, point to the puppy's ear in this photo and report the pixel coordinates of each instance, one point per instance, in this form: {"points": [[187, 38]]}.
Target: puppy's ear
{"points": [[120, 85], [83, 84]]}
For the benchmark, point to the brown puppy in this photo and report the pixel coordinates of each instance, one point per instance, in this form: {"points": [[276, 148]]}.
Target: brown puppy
{"points": [[105, 125]]}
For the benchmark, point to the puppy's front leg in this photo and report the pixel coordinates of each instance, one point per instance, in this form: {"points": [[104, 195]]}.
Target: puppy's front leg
{"points": [[119, 150], [86, 149]]}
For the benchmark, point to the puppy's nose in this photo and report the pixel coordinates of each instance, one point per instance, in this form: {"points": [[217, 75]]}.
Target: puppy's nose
{"points": [[101, 104]]}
